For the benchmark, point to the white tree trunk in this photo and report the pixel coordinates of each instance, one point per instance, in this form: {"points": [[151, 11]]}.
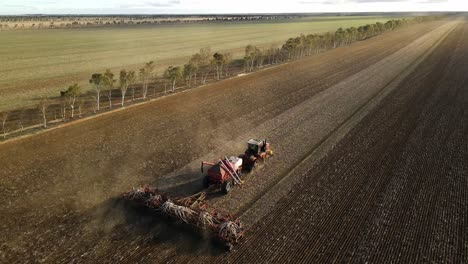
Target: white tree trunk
{"points": [[98, 99], [72, 106], [44, 118], [145, 89], [3, 128], [63, 112], [110, 99]]}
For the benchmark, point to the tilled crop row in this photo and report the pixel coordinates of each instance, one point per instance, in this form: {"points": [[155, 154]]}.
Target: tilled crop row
{"points": [[394, 190], [318, 117]]}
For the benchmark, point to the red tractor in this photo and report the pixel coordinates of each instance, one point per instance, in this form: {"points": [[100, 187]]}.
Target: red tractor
{"points": [[257, 150], [226, 172]]}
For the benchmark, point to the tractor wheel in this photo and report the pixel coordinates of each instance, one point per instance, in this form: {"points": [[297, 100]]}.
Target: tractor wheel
{"points": [[248, 168], [206, 182], [226, 187], [254, 164]]}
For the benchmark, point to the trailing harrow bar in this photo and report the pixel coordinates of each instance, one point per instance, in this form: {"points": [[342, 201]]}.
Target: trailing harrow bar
{"points": [[190, 210]]}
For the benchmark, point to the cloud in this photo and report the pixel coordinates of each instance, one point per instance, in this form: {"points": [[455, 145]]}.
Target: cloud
{"points": [[432, 1], [401, 1], [334, 2], [163, 3], [222, 6], [152, 4], [21, 7], [323, 2], [376, 1]]}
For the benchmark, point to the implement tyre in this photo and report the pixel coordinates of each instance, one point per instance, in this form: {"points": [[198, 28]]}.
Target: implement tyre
{"points": [[206, 182], [226, 187]]}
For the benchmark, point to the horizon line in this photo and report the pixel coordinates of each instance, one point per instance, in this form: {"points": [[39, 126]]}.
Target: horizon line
{"points": [[212, 14]]}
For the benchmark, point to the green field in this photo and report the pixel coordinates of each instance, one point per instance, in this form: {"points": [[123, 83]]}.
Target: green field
{"points": [[35, 63]]}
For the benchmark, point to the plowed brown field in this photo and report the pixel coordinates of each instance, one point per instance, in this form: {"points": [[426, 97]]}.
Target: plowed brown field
{"points": [[394, 189], [370, 199]]}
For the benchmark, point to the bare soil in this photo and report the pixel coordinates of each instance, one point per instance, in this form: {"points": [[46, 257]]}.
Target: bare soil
{"points": [[393, 190], [59, 190]]}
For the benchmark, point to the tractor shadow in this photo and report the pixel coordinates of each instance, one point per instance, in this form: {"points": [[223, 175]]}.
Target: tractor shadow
{"points": [[190, 188], [126, 221], [185, 183]]}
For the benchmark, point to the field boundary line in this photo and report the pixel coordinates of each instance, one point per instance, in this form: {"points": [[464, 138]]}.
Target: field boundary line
{"points": [[266, 199]]}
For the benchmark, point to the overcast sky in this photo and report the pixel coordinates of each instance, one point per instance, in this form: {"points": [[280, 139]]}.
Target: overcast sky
{"points": [[222, 6]]}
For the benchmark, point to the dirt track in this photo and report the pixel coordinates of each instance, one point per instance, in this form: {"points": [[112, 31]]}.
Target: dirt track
{"points": [[58, 187]]}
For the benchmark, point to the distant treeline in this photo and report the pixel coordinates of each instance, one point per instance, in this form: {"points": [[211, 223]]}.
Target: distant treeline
{"points": [[305, 45], [56, 21], [202, 66]]}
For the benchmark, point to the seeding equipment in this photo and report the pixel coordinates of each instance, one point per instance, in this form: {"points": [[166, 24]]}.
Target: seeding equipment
{"points": [[191, 210], [226, 172]]}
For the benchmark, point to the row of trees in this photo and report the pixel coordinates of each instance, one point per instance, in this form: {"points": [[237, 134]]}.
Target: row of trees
{"points": [[306, 45], [104, 83], [199, 67], [205, 63], [196, 71]]}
